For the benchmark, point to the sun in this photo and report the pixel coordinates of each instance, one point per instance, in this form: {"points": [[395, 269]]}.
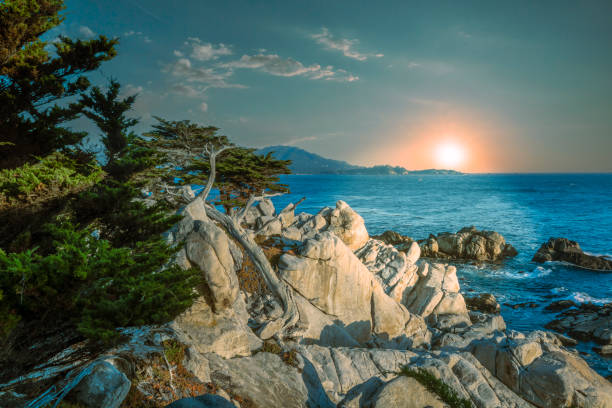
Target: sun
{"points": [[449, 154]]}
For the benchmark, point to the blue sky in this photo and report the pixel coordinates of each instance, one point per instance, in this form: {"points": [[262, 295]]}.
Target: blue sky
{"points": [[519, 87]]}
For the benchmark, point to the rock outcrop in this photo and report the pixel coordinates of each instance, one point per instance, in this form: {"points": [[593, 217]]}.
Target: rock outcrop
{"points": [[224, 332], [483, 302], [564, 250], [342, 221], [209, 248], [367, 309], [327, 274], [467, 244], [428, 290], [587, 322], [542, 372], [389, 237]]}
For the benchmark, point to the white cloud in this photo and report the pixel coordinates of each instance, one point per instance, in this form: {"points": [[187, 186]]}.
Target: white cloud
{"points": [[184, 69], [344, 45], [186, 90], [273, 65], [130, 89], [204, 107], [288, 67], [86, 31], [206, 51], [139, 34]]}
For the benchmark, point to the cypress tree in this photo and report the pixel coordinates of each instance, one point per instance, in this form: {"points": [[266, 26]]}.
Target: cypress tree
{"points": [[34, 81]]}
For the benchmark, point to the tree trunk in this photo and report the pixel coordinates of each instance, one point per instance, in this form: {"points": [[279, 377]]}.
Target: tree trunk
{"points": [[279, 289]]}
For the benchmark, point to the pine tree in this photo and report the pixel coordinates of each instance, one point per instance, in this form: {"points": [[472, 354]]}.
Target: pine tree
{"points": [[34, 81], [108, 112]]}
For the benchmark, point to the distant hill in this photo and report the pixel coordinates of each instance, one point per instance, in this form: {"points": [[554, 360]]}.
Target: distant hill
{"points": [[304, 162]]}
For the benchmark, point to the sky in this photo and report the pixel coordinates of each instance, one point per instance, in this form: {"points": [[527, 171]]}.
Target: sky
{"points": [[479, 86]]}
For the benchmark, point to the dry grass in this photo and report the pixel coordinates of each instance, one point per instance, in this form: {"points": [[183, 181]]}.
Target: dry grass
{"points": [[154, 386]]}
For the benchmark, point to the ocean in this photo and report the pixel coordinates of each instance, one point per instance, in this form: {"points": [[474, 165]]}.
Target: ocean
{"points": [[527, 209]]}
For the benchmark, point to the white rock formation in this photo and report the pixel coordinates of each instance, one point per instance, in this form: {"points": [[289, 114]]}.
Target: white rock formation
{"points": [[331, 277]]}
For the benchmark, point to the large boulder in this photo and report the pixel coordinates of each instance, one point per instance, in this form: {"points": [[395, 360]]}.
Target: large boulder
{"points": [[541, 371], [202, 401], [405, 392], [355, 377], [483, 302], [208, 247], [223, 332], [103, 386], [436, 296], [467, 244], [265, 380], [395, 271], [348, 226], [327, 273], [562, 249]]}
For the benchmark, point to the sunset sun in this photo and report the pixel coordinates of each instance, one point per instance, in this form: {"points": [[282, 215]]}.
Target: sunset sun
{"points": [[450, 154]]}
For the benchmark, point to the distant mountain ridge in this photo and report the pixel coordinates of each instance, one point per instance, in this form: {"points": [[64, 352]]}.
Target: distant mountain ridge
{"points": [[305, 162]]}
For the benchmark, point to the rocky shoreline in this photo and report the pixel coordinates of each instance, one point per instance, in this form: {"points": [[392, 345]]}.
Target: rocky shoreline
{"points": [[366, 309]]}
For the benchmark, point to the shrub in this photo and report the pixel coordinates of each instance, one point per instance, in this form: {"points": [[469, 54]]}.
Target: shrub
{"points": [[96, 286], [438, 387], [55, 175]]}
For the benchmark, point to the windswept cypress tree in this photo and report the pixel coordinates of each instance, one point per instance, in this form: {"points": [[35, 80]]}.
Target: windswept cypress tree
{"points": [[240, 173], [34, 80]]}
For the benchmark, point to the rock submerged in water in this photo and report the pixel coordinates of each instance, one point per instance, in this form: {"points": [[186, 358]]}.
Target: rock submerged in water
{"points": [[587, 322], [467, 244], [562, 249]]}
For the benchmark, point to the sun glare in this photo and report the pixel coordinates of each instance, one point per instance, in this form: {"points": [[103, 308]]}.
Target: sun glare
{"points": [[450, 154]]}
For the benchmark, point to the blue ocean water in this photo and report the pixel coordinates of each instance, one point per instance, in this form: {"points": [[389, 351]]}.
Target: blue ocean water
{"points": [[526, 209]]}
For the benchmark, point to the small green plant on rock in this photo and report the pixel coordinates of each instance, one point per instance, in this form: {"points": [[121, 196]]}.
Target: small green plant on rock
{"points": [[437, 386]]}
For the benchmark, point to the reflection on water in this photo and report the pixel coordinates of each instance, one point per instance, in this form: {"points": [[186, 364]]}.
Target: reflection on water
{"points": [[525, 209]]}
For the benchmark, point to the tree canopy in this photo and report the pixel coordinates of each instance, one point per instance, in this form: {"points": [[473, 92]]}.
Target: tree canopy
{"points": [[186, 149], [35, 77]]}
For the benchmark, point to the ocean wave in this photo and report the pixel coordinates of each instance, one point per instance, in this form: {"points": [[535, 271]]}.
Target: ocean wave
{"points": [[560, 290], [538, 272], [582, 297]]}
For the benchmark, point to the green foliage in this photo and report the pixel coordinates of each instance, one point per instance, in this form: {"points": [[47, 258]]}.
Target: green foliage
{"points": [[109, 266], [22, 22], [53, 175], [240, 173], [107, 111], [34, 80], [174, 351], [97, 286], [120, 216], [435, 385]]}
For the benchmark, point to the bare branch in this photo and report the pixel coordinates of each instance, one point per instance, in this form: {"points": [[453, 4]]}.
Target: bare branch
{"points": [[292, 206], [252, 200], [212, 157]]}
